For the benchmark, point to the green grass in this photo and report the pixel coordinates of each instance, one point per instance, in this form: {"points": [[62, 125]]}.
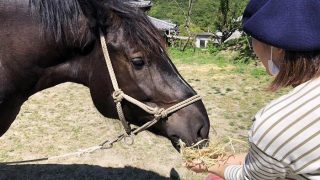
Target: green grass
{"points": [[233, 92], [258, 72], [199, 56]]}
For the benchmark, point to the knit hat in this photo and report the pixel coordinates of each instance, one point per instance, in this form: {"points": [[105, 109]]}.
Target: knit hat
{"points": [[292, 25]]}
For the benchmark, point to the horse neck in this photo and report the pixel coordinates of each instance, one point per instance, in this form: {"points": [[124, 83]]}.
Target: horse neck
{"points": [[71, 58], [75, 69]]}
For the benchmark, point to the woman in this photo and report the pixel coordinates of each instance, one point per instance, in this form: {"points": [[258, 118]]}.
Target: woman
{"points": [[285, 136]]}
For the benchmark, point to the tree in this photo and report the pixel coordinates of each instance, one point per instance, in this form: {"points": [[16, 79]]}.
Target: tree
{"points": [[202, 18], [207, 15], [228, 20], [187, 25]]}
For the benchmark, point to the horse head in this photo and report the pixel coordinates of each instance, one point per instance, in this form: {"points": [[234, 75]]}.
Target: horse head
{"points": [[144, 71]]}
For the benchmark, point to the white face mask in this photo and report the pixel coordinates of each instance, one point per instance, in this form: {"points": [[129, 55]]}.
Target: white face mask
{"points": [[273, 69]]}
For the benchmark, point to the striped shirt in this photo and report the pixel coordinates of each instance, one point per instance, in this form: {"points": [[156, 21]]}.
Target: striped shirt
{"points": [[284, 138]]}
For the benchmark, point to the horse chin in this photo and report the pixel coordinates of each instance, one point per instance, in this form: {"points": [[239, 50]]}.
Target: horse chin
{"points": [[175, 141]]}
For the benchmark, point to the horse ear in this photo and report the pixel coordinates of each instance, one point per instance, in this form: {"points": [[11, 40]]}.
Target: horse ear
{"points": [[95, 11], [89, 10]]}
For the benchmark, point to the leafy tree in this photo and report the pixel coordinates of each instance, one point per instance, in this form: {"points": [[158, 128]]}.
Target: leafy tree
{"points": [[206, 14], [176, 10], [229, 18]]}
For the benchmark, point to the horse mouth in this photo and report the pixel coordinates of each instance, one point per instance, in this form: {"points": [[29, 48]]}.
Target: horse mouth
{"points": [[175, 140], [178, 142]]}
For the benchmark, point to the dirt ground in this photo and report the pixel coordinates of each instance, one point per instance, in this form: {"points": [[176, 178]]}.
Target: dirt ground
{"points": [[63, 119]]}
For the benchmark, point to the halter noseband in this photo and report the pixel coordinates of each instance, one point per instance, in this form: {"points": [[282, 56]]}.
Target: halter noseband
{"points": [[118, 95]]}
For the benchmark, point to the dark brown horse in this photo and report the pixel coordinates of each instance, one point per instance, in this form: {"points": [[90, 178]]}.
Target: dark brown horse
{"points": [[47, 42]]}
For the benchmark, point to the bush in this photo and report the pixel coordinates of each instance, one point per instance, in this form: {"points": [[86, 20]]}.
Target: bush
{"points": [[246, 54], [214, 48], [241, 45]]}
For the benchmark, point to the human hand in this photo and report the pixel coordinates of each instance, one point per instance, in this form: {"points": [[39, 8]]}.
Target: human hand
{"points": [[199, 167], [196, 166], [236, 159]]}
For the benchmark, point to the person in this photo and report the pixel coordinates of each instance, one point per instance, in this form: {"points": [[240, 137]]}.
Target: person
{"points": [[284, 140]]}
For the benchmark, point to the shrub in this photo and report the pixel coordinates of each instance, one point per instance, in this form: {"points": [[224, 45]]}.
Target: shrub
{"points": [[241, 45]]}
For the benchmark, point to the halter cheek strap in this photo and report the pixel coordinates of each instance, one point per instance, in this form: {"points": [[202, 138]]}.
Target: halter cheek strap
{"points": [[118, 96]]}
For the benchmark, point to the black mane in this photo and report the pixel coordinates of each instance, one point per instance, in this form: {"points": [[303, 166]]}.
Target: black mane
{"points": [[58, 16], [61, 18]]}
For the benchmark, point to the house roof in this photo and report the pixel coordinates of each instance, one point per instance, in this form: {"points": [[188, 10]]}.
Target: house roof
{"points": [[162, 24], [159, 24], [139, 3], [235, 35]]}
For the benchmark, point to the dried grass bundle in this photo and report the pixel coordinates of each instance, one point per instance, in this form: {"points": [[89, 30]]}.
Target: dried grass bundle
{"points": [[215, 150]]}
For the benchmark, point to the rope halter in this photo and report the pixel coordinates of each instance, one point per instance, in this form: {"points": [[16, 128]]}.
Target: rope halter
{"points": [[160, 113], [118, 96]]}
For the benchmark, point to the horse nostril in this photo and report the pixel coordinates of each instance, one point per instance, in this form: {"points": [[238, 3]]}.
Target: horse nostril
{"points": [[202, 137], [199, 135], [202, 133]]}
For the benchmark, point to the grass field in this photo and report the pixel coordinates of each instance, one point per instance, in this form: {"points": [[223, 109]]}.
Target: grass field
{"points": [[63, 119], [232, 92]]}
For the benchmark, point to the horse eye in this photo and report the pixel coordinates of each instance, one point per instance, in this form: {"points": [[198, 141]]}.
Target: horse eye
{"points": [[138, 62]]}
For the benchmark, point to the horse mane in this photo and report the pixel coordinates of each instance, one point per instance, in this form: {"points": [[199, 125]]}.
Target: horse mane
{"points": [[61, 17], [58, 16]]}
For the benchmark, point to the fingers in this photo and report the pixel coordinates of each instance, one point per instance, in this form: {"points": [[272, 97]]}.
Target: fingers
{"points": [[196, 166]]}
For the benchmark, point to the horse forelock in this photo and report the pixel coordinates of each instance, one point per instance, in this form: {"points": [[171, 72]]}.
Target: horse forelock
{"points": [[138, 30]]}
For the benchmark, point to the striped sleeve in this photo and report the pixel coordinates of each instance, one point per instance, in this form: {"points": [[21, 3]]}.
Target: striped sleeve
{"points": [[257, 166], [285, 138]]}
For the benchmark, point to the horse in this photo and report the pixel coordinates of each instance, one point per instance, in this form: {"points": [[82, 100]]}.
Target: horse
{"points": [[44, 43]]}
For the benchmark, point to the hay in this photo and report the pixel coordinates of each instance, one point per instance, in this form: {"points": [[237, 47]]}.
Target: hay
{"points": [[216, 151]]}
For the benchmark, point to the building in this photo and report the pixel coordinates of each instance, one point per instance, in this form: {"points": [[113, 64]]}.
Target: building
{"points": [[202, 39], [235, 35], [168, 28], [144, 5]]}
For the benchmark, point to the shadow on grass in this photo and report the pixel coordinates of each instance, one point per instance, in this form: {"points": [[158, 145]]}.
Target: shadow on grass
{"points": [[76, 171]]}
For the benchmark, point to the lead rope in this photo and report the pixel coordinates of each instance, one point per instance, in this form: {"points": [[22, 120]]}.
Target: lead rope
{"points": [[118, 95]]}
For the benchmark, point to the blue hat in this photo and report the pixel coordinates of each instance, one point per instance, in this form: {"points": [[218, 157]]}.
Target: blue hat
{"points": [[293, 25]]}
